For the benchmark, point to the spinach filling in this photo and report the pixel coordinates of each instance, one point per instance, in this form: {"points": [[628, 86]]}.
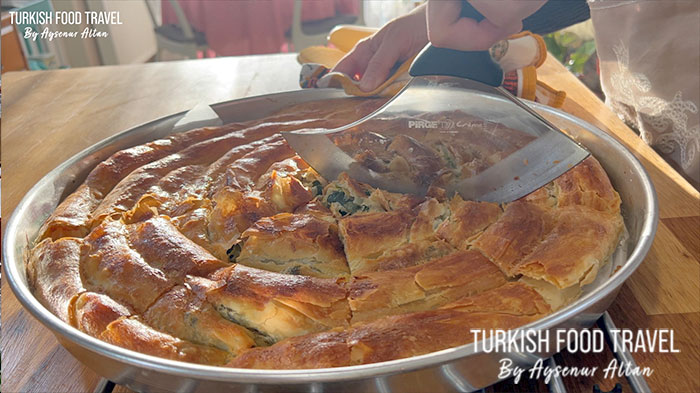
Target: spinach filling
{"points": [[317, 188], [295, 270], [234, 251], [261, 338], [347, 203], [447, 156]]}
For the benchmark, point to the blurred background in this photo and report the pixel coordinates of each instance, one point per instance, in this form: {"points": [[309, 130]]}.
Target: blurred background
{"points": [[164, 30]]}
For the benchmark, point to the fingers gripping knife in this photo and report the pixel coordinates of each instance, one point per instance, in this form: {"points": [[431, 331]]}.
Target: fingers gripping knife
{"points": [[450, 81]]}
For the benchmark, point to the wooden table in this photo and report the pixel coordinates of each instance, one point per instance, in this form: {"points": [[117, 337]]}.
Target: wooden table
{"points": [[51, 115], [12, 56]]}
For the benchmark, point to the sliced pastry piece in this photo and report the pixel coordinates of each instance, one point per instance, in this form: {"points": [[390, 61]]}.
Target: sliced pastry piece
{"points": [[186, 314], [346, 196], [289, 184], [581, 241], [234, 211], [388, 338], [316, 350], [368, 236], [429, 215], [517, 232], [405, 237], [517, 298], [587, 184], [422, 287], [413, 334], [255, 190], [275, 305], [132, 334], [305, 244], [555, 297], [466, 221]]}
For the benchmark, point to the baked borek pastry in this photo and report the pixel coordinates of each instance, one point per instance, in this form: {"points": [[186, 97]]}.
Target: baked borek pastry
{"points": [[220, 246]]}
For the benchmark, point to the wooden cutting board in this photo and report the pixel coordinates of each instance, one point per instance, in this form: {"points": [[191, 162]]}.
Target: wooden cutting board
{"points": [[51, 115]]}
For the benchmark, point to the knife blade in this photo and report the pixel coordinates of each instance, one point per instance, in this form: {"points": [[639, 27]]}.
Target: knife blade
{"points": [[450, 81]]}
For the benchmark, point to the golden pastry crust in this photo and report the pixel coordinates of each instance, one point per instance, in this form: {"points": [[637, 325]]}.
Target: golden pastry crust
{"points": [[422, 287], [319, 350], [159, 242], [574, 250], [466, 221], [555, 297], [398, 336], [112, 267], [221, 246], [93, 312], [72, 216], [520, 228], [53, 272], [305, 244], [147, 178], [406, 335], [400, 234], [410, 254], [369, 236], [135, 263], [188, 315], [515, 298], [277, 305], [587, 185], [131, 334]]}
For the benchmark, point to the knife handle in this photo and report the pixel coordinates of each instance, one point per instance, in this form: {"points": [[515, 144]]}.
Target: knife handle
{"points": [[474, 65]]}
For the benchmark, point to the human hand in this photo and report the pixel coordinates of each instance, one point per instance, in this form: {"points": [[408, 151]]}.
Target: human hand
{"points": [[502, 18], [373, 58], [439, 22]]}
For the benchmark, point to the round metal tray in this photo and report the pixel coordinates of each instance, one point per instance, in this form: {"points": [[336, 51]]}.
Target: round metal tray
{"points": [[461, 368]]}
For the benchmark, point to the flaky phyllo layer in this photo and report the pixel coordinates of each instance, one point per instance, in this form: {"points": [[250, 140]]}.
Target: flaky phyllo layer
{"points": [[221, 246]]}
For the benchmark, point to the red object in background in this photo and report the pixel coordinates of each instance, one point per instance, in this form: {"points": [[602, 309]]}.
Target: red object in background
{"points": [[251, 27]]}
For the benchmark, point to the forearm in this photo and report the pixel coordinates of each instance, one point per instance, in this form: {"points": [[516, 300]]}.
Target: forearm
{"points": [[556, 15], [552, 16]]}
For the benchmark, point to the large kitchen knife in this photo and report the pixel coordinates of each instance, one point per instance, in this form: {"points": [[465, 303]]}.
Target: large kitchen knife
{"points": [[445, 81]]}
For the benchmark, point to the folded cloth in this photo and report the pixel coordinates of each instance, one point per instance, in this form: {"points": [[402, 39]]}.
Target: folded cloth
{"points": [[319, 75], [523, 83], [323, 55], [519, 57]]}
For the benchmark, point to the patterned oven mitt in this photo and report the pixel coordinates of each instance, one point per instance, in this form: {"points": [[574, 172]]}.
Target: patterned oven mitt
{"points": [[519, 56]]}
